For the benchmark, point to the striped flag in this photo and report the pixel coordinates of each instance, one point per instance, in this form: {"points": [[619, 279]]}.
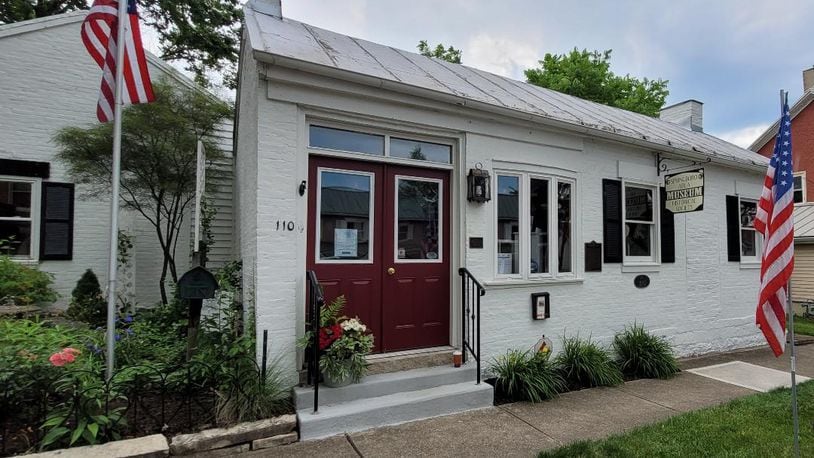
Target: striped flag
{"points": [[774, 219], [99, 31]]}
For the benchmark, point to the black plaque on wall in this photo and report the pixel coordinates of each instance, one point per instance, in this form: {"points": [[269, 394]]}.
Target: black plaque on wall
{"points": [[593, 257], [475, 242], [641, 281]]}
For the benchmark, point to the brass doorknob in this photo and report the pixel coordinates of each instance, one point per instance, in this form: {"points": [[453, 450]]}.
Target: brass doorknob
{"points": [[391, 271]]}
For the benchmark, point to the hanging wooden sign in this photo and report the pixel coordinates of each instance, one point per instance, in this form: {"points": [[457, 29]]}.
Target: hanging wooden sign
{"points": [[684, 191]]}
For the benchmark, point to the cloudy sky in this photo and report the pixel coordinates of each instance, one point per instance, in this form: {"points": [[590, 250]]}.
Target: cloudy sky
{"points": [[732, 55]]}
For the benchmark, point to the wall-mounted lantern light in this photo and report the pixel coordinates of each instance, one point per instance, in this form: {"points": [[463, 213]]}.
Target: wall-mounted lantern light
{"points": [[477, 185]]}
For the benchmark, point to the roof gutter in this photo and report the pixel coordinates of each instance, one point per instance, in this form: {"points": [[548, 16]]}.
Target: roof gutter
{"points": [[373, 81]]}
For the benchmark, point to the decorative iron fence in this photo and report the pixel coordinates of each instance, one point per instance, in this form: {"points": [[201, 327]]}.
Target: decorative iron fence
{"points": [[137, 400]]}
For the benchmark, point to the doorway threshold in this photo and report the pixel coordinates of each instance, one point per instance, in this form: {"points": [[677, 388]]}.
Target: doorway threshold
{"points": [[382, 363]]}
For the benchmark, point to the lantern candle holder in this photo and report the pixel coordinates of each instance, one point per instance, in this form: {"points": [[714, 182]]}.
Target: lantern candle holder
{"points": [[478, 187]]}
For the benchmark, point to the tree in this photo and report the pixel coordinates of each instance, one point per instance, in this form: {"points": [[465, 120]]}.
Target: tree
{"points": [[587, 75], [205, 34], [449, 54], [158, 160], [21, 10]]}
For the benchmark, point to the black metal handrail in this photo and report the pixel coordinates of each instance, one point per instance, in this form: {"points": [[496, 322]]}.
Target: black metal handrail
{"points": [[471, 292], [315, 302]]}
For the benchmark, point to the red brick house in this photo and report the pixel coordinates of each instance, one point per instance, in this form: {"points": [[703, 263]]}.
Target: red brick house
{"points": [[802, 131]]}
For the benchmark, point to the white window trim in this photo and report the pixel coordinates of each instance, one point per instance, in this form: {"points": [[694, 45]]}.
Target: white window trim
{"points": [[749, 260], [386, 133], [441, 228], [371, 226], [36, 201], [803, 186], [655, 258], [524, 233]]}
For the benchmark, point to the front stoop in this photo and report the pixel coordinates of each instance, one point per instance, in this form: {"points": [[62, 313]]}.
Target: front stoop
{"points": [[390, 399]]}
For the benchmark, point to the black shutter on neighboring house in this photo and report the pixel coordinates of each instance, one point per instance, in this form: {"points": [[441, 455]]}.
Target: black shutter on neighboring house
{"points": [[668, 231], [612, 220], [56, 225], [733, 228]]}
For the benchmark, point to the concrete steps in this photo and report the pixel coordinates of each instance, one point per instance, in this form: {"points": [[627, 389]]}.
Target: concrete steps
{"points": [[389, 399]]}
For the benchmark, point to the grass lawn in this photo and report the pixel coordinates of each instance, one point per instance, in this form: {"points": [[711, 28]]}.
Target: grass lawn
{"points": [[803, 325], [754, 426]]}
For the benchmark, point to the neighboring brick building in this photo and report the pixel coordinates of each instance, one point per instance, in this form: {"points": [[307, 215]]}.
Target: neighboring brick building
{"points": [[47, 82], [802, 133]]}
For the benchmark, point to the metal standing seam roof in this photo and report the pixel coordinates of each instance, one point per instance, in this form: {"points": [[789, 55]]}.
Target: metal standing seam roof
{"points": [[804, 221], [297, 41]]}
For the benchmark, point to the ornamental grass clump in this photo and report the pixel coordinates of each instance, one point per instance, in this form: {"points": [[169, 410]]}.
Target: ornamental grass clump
{"points": [[585, 364], [644, 355], [526, 376]]}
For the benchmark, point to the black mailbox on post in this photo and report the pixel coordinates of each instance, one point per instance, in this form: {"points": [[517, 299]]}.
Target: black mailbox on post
{"points": [[197, 283]]}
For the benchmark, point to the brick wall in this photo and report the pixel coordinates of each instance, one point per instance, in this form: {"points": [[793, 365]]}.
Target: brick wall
{"points": [[802, 134]]}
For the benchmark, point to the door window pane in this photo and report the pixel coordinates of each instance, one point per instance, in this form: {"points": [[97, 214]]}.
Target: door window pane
{"points": [[15, 238], [345, 216], [15, 199], [418, 204], [346, 140], [422, 151], [539, 226], [564, 226], [508, 224], [638, 203], [638, 238]]}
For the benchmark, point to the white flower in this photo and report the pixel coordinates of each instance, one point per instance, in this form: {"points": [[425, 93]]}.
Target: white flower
{"points": [[353, 324]]}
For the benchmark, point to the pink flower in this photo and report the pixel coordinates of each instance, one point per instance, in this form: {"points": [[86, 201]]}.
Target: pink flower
{"points": [[72, 351], [58, 359]]}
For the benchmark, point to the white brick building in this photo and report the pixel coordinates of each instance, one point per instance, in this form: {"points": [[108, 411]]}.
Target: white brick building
{"points": [[352, 161], [47, 82]]}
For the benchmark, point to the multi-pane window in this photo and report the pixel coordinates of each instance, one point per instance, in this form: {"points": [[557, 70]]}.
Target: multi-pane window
{"points": [[535, 231], [640, 223], [750, 239], [356, 141], [18, 212], [799, 187]]}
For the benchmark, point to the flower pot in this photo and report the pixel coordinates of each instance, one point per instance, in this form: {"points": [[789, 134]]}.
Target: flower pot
{"points": [[332, 382]]}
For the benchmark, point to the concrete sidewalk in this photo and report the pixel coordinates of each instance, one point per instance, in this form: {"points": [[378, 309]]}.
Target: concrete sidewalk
{"points": [[523, 429]]}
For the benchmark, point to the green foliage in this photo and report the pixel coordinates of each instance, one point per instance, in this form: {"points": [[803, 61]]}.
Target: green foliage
{"points": [[144, 342], [88, 304], [754, 426], [587, 75], [803, 325], [449, 54], [23, 10], [584, 364], [24, 285], [641, 354], [159, 144], [526, 376], [254, 398]]}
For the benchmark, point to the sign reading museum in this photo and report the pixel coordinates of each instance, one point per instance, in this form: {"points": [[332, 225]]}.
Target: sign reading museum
{"points": [[684, 191]]}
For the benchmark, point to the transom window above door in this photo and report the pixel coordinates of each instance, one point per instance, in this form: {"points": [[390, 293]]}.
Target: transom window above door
{"points": [[399, 146]]}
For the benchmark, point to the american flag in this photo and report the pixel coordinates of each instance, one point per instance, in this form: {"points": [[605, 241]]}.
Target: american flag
{"points": [[774, 219], [99, 31]]}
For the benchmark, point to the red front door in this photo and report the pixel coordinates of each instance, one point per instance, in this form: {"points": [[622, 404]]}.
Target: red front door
{"points": [[379, 235]]}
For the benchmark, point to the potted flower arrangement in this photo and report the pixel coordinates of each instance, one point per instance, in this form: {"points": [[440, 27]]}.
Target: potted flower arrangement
{"points": [[343, 343]]}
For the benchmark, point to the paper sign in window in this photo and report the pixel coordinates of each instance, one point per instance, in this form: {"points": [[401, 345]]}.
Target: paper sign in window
{"points": [[345, 243]]}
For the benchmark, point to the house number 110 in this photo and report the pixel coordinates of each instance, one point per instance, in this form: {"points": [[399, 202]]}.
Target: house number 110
{"points": [[285, 225]]}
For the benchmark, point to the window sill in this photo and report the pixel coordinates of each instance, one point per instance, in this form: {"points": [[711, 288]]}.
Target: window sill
{"points": [[521, 283], [638, 268], [26, 261], [749, 265]]}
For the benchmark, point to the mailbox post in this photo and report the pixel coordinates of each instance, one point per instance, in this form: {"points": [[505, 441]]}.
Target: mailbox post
{"points": [[194, 286]]}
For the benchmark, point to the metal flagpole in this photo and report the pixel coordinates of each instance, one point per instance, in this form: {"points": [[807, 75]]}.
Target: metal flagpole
{"points": [[794, 415], [114, 199]]}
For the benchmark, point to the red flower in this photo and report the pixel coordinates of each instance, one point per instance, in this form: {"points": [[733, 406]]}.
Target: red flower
{"points": [[328, 334]]}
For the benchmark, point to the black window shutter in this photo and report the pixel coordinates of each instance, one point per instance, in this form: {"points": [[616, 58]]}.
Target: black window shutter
{"points": [[733, 239], [612, 220], [56, 225], [668, 231]]}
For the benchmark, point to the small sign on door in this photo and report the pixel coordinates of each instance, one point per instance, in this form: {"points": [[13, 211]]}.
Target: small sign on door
{"points": [[345, 243]]}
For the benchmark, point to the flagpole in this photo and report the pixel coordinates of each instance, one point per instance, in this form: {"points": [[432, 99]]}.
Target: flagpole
{"points": [[112, 269], [794, 414]]}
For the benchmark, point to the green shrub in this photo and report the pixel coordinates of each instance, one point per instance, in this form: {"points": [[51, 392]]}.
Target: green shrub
{"points": [[24, 285], [249, 398], [584, 364], [641, 354], [88, 304], [526, 376]]}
